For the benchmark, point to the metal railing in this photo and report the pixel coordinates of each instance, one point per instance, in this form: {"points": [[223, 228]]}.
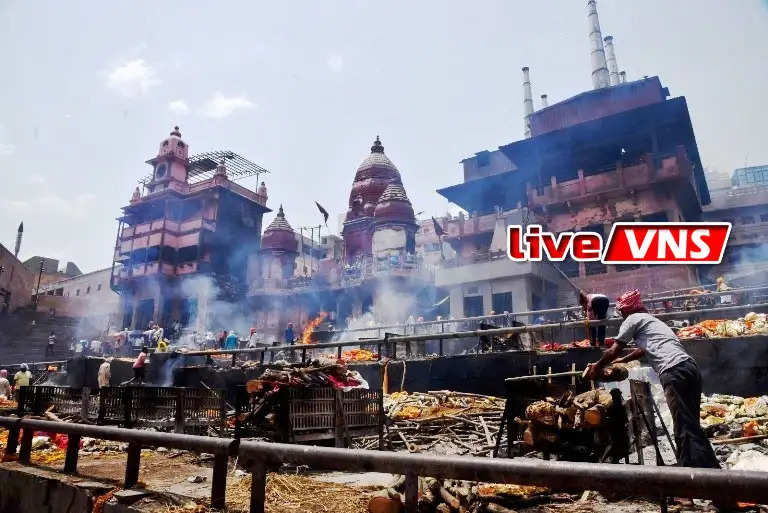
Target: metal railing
{"points": [[651, 300], [259, 458], [390, 341]]}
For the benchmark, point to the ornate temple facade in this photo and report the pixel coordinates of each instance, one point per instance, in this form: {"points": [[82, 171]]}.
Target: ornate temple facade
{"points": [[378, 258]]}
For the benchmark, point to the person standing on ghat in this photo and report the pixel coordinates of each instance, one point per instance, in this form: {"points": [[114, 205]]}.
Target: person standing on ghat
{"points": [[139, 366], [595, 307], [677, 370], [289, 336]]}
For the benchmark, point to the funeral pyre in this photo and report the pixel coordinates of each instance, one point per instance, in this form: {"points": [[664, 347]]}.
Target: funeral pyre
{"points": [[441, 422], [591, 426], [749, 325]]}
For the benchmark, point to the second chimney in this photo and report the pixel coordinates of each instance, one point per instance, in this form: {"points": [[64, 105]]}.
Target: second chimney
{"points": [[622, 77], [527, 102], [544, 101], [610, 54], [600, 76]]}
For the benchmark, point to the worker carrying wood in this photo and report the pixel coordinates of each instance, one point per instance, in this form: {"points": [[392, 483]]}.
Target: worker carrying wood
{"points": [[595, 308], [677, 370]]}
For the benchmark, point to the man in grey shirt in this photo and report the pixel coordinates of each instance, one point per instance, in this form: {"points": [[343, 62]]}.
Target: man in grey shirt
{"points": [[677, 372]]}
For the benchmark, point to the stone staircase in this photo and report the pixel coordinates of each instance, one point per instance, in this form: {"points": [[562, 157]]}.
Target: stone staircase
{"points": [[21, 341]]}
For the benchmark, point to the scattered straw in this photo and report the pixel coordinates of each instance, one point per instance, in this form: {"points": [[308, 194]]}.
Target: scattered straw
{"points": [[299, 494]]}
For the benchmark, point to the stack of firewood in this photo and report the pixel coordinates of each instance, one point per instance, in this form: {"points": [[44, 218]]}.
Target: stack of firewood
{"points": [[447, 496]]}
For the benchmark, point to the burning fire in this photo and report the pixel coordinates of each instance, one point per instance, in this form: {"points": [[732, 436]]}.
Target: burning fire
{"points": [[306, 336]]}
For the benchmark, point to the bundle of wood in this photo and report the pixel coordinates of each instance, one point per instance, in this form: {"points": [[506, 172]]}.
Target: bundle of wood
{"points": [[442, 422], [543, 419], [446, 496]]}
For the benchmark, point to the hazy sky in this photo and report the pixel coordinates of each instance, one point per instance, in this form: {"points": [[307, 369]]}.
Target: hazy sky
{"points": [[89, 89]]}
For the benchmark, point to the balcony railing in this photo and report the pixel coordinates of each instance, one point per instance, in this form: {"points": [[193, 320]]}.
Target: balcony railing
{"points": [[670, 167], [174, 227]]}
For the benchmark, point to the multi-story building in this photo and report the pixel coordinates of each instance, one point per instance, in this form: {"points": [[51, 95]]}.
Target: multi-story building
{"points": [[186, 241], [745, 206], [88, 295], [623, 151]]}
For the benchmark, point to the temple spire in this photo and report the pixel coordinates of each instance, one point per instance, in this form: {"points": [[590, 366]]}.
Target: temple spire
{"points": [[377, 146]]}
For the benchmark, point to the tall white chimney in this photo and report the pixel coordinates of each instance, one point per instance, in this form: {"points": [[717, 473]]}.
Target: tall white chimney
{"points": [[600, 76], [544, 101], [610, 54], [527, 102], [622, 77]]}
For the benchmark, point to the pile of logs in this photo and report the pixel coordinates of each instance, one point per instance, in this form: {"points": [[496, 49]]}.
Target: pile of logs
{"points": [[447, 496], [440, 422]]}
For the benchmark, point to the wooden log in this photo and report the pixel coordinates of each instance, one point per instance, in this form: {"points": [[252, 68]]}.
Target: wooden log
{"points": [[492, 507], [594, 415], [449, 499]]}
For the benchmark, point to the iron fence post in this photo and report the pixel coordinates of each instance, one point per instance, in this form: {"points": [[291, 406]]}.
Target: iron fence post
{"points": [[36, 400], [85, 400], [26, 445], [22, 399], [258, 487], [127, 405], [13, 440], [179, 416], [411, 493], [73, 450], [219, 480], [132, 465], [234, 359]]}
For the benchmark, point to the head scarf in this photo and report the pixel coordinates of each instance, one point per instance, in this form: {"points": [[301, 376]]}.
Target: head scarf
{"points": [[24, 367], [630, 302]]}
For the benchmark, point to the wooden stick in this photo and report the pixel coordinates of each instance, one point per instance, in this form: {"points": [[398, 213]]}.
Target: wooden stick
{"points": [[488, 436], [739, 440]]}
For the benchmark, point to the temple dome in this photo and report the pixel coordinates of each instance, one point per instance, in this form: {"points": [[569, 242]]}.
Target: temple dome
{"points": [[394, 205], [373, 175], [174, 145], [279, 235]]}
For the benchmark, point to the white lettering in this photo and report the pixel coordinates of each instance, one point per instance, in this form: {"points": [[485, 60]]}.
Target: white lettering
{"points": [[677, 247], [639, 251], [697, 238]]}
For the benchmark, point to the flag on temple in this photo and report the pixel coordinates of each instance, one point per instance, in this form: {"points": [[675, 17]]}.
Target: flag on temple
{"points": [[323, 211], [438, 229]]}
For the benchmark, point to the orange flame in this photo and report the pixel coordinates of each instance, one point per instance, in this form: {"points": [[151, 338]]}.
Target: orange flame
{"points": [[306, 336]]}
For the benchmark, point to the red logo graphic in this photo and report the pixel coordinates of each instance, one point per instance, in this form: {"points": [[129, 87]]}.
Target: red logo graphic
{"points": [[628, 243]]}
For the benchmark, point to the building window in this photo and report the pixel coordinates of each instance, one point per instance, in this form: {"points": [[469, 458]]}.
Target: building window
{"points": [[747, 220], [153, 254], [169, 254], [502, 302], [187, 254], [764, 218], [98, 287], [473, 306], [77, 292], [88, 290], [570, 267]]}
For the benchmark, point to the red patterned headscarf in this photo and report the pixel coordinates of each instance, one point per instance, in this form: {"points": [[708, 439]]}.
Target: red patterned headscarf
{"points": [[630, 302]]}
